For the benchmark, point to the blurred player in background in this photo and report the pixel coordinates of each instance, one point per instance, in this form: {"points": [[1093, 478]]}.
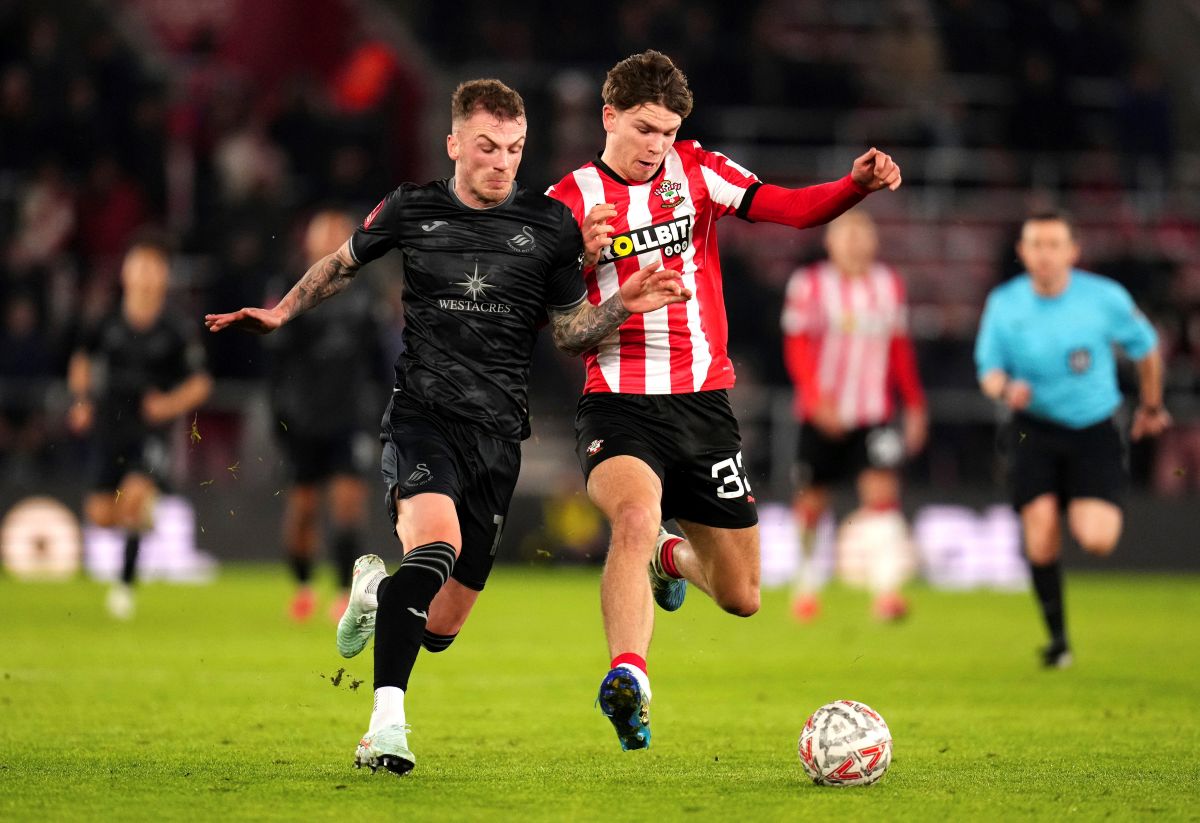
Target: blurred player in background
{"points": [[657, 438], [323, 365], [485, 262], [848, 352], [1045, 350], [135, 373]]}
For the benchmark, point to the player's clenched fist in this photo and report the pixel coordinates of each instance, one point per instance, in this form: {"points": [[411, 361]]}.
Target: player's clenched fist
{"points": [[652, 288], [597, 232], [876, 170]]}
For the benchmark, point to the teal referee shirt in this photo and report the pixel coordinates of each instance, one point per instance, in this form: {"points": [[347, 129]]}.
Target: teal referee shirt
{"points": [[1063, 345]]}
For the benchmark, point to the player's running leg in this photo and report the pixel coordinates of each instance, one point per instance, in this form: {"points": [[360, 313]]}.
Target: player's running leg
{"points": [[628, 492], [723, 563], [347, 513], [666, 581], [134, 510], [300, 538], [1043, 539], [809, 507], [428, 528]]}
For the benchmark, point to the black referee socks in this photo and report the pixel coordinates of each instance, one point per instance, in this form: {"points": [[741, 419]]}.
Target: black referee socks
{"points": [[1047, 584], [404, 610]]}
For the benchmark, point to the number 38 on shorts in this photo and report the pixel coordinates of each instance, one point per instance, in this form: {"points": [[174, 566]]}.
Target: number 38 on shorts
{"points": [[731, 478]]}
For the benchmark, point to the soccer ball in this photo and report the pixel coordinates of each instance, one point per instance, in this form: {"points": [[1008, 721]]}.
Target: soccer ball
{"points": [[845, 743]]}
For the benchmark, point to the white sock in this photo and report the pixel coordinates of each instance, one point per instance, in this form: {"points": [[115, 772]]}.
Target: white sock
{"points": [[640, 676], [389, 708]]}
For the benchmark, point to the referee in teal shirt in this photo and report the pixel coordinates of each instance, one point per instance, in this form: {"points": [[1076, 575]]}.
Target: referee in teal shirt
{"points": [[1045, 349]]}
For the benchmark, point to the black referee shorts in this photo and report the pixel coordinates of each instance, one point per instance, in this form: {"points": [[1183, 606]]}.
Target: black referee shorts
{"points": [[423, 453], [1048, 458], [691, 441]]}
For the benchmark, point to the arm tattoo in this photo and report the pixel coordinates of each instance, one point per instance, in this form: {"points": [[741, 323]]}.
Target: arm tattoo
{"points": [[326, 278], [578, 329]]}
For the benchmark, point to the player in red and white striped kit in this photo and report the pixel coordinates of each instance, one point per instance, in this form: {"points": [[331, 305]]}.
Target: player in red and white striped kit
{"points": [[657, 438], [848, 352]]}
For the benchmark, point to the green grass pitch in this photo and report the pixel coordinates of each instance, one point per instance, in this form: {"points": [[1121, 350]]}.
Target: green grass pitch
{"points": [[211, 705]]}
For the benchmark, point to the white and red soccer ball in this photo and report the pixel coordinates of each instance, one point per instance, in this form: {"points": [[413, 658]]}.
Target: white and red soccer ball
{"points": [[845, 743]]}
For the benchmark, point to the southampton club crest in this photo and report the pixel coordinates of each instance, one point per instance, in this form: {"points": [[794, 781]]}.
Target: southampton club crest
{"points": [[594, 447], [670, 192]]}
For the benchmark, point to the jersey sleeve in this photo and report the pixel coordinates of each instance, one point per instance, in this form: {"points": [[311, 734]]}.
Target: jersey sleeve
{"points": [[730, 185], [989, 347], [798, 315], [377, 233], [564, 282], [1131, 330]]}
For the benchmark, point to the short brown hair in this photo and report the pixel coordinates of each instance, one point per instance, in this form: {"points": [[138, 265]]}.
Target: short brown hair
{"points": [[1053, 216], [488, 94], [649, 77]]}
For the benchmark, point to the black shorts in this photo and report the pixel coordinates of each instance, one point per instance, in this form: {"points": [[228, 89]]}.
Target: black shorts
{"points": [[315, 458], [823, 461], [1046, 458], [691, 441], [423, 453], [114, 458]]}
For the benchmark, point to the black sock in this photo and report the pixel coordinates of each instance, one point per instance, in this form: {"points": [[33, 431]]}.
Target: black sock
{"points": [[343, 545], [133, 542], [437, 642], [1047, 584], [301, 568], [404, 609]]}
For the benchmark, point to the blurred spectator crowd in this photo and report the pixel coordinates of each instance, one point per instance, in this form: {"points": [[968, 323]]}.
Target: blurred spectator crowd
{"points": [[226, 125]]}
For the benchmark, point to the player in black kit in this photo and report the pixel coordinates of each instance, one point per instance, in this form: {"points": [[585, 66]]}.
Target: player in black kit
{"points": [[151, 373], [322, 367], [485, 263]]}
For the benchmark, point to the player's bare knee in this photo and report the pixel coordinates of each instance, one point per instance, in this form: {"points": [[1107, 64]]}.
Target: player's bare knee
{"points": [[1097, 542], [741, 603], [637, 518]]}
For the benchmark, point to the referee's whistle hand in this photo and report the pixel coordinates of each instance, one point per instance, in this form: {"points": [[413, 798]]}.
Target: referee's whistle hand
{"points": [[1017, 395]]}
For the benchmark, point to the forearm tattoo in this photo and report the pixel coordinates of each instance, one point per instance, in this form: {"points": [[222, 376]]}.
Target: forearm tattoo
{"points": [[326, 278], [581, 328]]}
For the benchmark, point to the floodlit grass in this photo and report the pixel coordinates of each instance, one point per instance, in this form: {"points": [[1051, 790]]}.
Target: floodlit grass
{"points": [[211, 704]]}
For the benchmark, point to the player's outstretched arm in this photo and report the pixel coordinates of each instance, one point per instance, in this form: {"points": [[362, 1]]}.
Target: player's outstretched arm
{"points": [[327, 277], [582, 327]]}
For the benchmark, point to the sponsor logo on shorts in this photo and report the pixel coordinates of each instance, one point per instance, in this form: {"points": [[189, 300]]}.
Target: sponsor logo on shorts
{"points": [[420, 476], [523, 242], [671, 238], [594, 447]]}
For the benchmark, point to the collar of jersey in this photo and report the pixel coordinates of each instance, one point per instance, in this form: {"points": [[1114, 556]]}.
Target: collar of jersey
{"points": [[449, 182], [604, 167]]}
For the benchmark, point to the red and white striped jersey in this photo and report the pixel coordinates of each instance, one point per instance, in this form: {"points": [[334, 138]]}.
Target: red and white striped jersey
{"points": [[846, 343], [683, 347]]}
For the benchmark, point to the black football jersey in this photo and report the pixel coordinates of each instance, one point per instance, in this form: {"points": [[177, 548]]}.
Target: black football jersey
{"points": [[324, 364], [127, 363], [477, 284]]}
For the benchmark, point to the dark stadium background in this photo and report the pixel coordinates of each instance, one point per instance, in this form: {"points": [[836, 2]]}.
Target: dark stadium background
{"points": [[226, 122]]}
